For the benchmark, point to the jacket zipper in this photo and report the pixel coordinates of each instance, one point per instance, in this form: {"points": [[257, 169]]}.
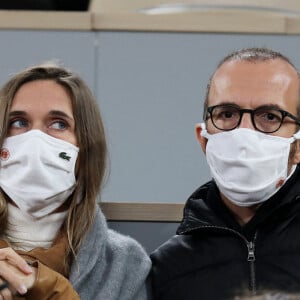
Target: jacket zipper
{"points": [[251, 252], [251, 260]]}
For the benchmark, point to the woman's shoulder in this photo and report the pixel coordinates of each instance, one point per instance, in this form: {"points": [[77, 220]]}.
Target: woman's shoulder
{"points": [[124, 244], [118, 245], [118, 264]]}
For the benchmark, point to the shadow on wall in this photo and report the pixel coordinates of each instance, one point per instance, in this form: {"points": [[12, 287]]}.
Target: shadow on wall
{"points": [[62, 5]]}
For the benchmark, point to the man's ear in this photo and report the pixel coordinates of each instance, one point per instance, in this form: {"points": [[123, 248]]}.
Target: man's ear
{"points": [[296, 157], [202, 140]]}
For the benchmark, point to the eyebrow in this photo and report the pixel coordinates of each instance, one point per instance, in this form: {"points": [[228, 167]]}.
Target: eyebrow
{"points": [[61, 114], [270, 105], [51, 113]]}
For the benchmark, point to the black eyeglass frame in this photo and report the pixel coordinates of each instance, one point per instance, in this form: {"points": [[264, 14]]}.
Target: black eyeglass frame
{"points": [[284, 114]]}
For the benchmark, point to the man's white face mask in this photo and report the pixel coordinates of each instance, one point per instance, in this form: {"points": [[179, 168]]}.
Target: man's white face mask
{"points": [[248, 166], [37, 171]]}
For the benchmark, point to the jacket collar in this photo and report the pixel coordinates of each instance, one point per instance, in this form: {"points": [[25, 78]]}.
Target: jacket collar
{"points": [[205, 208]]}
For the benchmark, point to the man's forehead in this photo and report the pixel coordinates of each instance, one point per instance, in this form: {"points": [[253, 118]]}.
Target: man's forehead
{"points": [[273, 72], [277, 65], [251, 84]]}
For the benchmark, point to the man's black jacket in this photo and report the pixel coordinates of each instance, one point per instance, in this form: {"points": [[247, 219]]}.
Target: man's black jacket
{"points": [[212, 257]]}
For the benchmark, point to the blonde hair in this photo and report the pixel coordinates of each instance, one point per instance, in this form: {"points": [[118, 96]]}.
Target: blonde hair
{"points": [[91, 142]]}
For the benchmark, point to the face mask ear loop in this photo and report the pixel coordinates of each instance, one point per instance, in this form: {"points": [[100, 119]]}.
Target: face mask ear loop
{"points": [[203, 126], [204, 132], [296, 136]]}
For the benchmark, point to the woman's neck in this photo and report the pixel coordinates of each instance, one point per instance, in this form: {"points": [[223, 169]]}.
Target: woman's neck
{"points": [[24, 232]]}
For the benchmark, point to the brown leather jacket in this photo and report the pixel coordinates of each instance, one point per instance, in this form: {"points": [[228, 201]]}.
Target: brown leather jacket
{"points": [[51, 282]]}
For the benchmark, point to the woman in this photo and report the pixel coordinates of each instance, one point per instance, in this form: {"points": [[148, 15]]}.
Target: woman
{"points": [[52, 166]]}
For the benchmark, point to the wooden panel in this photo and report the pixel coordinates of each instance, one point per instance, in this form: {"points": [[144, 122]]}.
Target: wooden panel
{"points": [[244, 16], [293, 25], [159, 212], [208, 21], [121, 5], [21, 19]]}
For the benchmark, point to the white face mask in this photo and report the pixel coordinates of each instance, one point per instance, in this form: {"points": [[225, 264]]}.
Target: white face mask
{"points": [[37, 171], [248, 166]]}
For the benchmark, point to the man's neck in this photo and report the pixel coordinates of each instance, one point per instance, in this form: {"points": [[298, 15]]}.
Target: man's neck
{"points": [[242, 214]]}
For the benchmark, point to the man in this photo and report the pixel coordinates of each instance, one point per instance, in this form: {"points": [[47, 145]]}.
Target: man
{"points": [[242, 229]]}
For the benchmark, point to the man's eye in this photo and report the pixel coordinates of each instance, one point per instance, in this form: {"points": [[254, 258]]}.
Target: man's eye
{"points": [[226, 114], [270, 117]]}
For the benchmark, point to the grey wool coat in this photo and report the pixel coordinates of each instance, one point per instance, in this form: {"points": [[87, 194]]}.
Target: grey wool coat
{"points": [[110, 266]]}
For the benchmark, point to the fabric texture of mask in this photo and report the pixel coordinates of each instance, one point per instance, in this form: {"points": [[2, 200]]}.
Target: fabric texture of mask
{"points": [[37, 171], [248, 166]]}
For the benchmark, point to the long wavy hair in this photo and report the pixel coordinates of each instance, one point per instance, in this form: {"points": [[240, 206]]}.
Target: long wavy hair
{"points": [[89, 131]]}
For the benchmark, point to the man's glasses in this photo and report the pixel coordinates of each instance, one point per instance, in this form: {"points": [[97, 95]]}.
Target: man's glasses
{"points": [[264, 119]]}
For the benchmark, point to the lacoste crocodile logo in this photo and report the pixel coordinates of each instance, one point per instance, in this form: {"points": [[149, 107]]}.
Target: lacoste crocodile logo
{"points": [[64, 155]]}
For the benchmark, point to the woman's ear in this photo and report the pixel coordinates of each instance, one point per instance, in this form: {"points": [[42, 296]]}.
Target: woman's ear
{"points": [[202, 140]]}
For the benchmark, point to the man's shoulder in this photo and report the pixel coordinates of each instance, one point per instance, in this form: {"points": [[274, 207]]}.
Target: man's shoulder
{"points": [[174, 260], [171, 246], [173, 257], [166, 260]]}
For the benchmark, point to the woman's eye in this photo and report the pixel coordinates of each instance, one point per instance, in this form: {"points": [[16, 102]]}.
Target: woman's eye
{"points": [[20, 123], [59, 125]]}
